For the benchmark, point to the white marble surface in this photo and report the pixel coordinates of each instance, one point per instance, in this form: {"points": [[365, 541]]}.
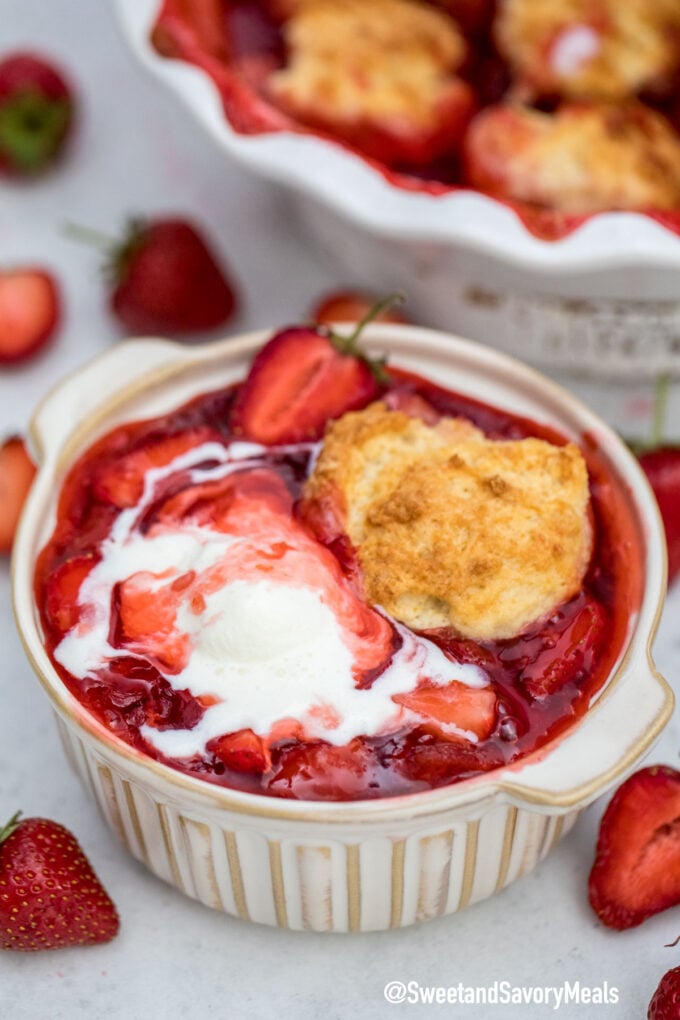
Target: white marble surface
{"points": [[136, 151]]}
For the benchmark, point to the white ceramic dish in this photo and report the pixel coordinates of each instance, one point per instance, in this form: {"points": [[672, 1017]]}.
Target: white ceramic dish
{"points": [[340, 866], [601, 302]]}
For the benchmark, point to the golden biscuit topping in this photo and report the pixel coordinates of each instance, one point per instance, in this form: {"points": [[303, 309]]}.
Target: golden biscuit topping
{"points": [[606, 49], [584, 158], [453, 529], [352, 60]]}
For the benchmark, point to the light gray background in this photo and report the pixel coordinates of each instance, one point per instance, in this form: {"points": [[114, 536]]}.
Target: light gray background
{"points": [[136, 150]]}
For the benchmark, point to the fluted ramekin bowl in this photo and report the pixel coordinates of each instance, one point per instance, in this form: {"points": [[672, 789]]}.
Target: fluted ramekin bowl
{"points": [[600, 302], [362, 865]]}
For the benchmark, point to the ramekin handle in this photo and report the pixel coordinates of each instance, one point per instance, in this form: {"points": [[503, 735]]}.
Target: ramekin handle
{"points": [[83, 391], [598, 755]]}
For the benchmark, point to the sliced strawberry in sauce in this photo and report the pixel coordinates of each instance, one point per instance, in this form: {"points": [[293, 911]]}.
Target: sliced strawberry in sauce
{"points": [[120, 480], [146, 621], [62, 589], [298, 382], [567, 649], [472, 709], [168, 709], [320, 771], [243, 751], [218, 503], [434, 762], [637, 864]]}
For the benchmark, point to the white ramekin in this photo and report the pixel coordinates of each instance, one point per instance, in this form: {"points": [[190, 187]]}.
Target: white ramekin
{"points": [[365, 865], [601, 302]]}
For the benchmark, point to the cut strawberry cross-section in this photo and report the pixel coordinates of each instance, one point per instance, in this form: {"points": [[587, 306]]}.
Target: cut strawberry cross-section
{"points": [[302, 378], [454, 707], [637, 864], [296, 384], [30, 309], [16, 477]]}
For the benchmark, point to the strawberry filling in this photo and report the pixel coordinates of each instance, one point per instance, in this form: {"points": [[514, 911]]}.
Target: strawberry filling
{"points": [[201, 619]]}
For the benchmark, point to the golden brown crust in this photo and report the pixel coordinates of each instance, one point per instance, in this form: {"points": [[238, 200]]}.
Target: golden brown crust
{"points": [[387, 61], [608, 49], [584, 158], [364, 453], [453, 529]]}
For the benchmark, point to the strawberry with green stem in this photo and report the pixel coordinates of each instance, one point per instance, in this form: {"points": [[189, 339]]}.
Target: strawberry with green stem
{"points": [[305, 376], [163, 277], [36, 114]]}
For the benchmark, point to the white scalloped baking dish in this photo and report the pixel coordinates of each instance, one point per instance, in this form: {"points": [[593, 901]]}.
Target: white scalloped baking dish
{"points": [[365, 865]]}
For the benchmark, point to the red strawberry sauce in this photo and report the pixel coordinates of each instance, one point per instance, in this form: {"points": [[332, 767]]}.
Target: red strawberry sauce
{"points": [[544, 679]]}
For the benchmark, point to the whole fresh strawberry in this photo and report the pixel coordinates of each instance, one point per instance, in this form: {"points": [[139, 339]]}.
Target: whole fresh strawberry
{"points": [[30, 309], [637, 864], [165, 279], [665, 1004], [50, 897], [303, 377], [662, 467], [36, 114]]}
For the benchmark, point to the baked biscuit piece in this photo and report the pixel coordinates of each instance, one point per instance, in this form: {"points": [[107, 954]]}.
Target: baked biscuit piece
{"points": [[608, 49], [380, 75], [453, 529], [585, 158], [364, 454]]}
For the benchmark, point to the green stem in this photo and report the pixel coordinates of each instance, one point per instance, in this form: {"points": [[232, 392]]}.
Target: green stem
{"points": [[349, 345], [660, 409], [7, 830], [373, 313], [89, 236]]}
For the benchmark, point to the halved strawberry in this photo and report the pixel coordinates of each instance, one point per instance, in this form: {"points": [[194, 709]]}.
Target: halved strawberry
{"points": [[637, 863], [120, 479], [455, 704], [17, 471], [29, 312], [243, 751], [62, 589], [351, 306], [299, 380]]}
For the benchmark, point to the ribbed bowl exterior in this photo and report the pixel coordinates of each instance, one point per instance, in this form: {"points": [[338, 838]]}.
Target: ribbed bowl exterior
{"points": [[311, 878]]}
